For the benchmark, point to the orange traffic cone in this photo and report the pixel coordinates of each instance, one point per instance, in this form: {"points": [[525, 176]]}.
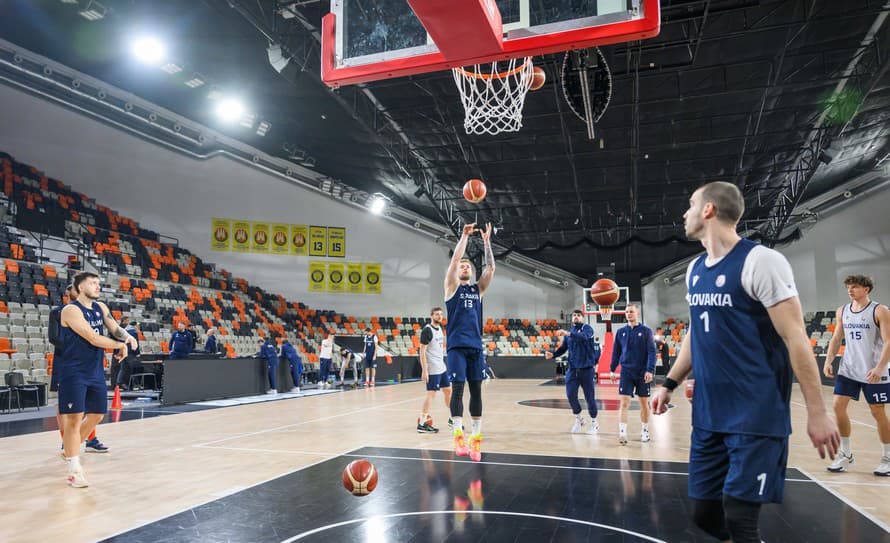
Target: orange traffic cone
{"points": [[116, 402]]}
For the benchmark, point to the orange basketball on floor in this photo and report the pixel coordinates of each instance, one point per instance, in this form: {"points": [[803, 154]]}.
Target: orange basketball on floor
{"points": [[360, 478], [539, 77], [604, 292], [474, 191]]}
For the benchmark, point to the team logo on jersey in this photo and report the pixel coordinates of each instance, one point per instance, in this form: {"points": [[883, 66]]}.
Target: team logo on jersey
{"points": [[694, 280], [721, 280], [70, 405]]}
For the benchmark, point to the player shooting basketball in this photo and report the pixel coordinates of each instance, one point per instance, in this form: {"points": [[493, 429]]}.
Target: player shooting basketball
{"points": [[463, 301]]}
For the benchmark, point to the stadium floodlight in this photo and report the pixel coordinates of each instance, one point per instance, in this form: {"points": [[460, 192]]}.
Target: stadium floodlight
{"points": [[148, 49], [378, 203], [230, 110]]}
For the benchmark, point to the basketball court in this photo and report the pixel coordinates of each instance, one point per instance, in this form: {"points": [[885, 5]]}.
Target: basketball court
{"points": [[272, 472], [452, 142]]}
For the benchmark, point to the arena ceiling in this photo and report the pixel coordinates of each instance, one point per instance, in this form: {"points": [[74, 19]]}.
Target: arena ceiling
{"points": [[788, 99]]}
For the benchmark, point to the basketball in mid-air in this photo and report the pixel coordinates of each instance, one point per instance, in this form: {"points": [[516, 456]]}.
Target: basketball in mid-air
{"points": [[360, 478], [474, 191], [539, 77], [604, 292]]}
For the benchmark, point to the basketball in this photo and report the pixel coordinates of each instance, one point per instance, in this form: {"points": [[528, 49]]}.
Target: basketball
{"points": [[604, 292], [474, 191], [360, 478], [539, 77]]}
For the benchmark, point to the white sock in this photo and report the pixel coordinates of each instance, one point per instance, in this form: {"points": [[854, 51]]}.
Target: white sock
{"points": [[73, 463], [580, 417], [458, 424], [645, 426], [845, 446], [423, 418], [477, 427], [622, 427], [886, 447]]}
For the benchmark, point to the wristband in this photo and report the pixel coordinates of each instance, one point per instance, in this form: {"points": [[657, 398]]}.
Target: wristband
{"points": [[670, 384]]}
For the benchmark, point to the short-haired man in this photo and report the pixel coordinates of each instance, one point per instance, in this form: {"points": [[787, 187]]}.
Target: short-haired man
{"points": [[746, 334], [349, 358], [210, 343], [82, 391], [180, 342], [372, 345], [584, 354], [325, 358], [864, 326], [634, 349], [433, 370]]}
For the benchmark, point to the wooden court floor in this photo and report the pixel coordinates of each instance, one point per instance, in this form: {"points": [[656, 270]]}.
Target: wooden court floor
{"points": [[166, 465]]}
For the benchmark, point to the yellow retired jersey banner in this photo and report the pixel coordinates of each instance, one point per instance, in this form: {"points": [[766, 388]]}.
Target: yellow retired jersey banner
{"points": [[336, 276], [241, 236], [336, 242], [299, 239], [221, 235], [280, 239], [354, 278], [318, 241], [260, 237], [372, 278], [317, 276]]}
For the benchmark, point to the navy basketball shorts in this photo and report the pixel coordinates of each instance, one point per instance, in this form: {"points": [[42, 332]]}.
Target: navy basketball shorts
{"points": [[629, 384], [875, 394], [745, 467], [370, 363], [438, 381], [82, 396], [465, 364]]}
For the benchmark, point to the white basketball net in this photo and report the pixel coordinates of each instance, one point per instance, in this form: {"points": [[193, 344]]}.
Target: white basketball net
{"points": [[492, 97], [605, 312]]}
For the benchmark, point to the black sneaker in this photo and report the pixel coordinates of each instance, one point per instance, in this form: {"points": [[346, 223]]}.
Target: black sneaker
{"points": [[426, 429]]}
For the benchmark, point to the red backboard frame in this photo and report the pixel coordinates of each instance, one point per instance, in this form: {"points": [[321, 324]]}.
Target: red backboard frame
{"points": [[645, 27]]}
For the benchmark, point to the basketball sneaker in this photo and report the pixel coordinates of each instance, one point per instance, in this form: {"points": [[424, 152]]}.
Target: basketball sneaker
{"points": [[77, 479], [883, 468], [476, 448], [576, 427], [96, 446], [644, 436], [594, 427], [295, 389], [622, 438], [450, 423], [460, 444], [841, 462], [427, 428]]}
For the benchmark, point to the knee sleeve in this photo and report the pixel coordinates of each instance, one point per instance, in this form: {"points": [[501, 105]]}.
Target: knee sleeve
{"points": [[475, 398], [741, 520], [457, 399], [708, 515]]}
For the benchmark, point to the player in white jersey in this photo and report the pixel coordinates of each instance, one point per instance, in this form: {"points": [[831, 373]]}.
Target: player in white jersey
{"points": [[433, 370], [865, 327]]}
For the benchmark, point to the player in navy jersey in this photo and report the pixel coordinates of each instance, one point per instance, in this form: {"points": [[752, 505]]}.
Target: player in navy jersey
{"points": [[82, 387], [634, 349], [370, 357], [864, 326], [584, 355], [463, 301], [746, 335]]}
